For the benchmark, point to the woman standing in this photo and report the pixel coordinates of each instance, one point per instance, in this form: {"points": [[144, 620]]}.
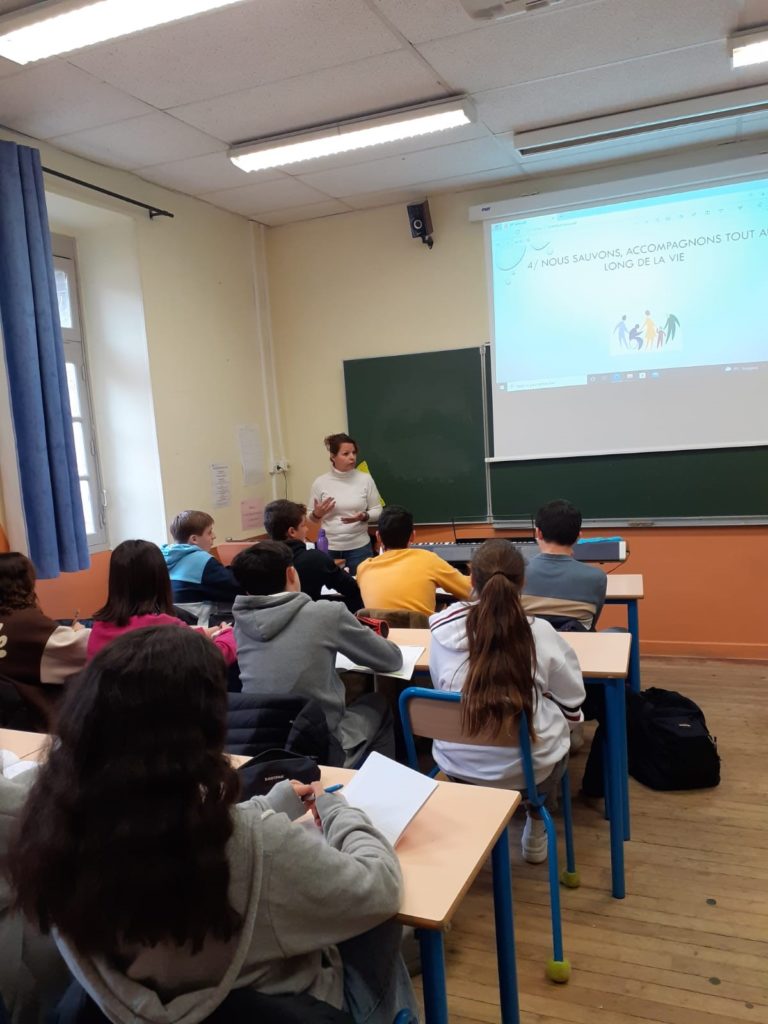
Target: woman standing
{"points": [[345, 501]]}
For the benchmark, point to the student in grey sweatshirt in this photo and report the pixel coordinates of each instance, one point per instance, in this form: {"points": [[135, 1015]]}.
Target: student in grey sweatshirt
{"points": [[163, 893], [287, 643], [33, 977]]}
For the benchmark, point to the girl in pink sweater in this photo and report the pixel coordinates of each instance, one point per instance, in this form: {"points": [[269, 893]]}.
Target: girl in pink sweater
{"points": [[140, 595]]}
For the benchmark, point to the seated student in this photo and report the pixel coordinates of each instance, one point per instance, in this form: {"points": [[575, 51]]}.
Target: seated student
{"points": [[502, 663], [287, 521], [288, 643], [402, 576], [33, 648], [139, 595], [33, 977], [555, 583], [196, 576], [163, 892]]}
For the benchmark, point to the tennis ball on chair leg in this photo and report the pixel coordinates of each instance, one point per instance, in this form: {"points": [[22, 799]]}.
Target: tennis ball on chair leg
{"points": [[559, 971]]}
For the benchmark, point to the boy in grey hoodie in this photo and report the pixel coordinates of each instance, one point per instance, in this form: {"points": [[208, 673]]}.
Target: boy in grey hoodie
{"points": [[287, 643]]}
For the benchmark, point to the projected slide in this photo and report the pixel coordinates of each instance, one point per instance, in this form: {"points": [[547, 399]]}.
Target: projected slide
{"points": [[640, 325], [653, 284]]}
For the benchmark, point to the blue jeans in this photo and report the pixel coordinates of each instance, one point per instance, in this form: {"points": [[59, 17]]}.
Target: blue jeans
{"points": [[353, 557]]}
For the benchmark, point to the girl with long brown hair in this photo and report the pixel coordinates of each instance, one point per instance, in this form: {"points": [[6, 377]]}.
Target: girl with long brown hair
{"points": [[503, 663]]}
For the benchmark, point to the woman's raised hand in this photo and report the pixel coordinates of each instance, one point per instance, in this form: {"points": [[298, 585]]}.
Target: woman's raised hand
{"points": [[322, 508]]}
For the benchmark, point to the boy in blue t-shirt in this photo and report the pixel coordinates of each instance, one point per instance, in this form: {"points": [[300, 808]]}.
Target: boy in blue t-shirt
{"points": [[556, 585], [196, 576]]}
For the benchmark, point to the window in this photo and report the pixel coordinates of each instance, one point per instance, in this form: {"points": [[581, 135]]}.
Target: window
{"points": [[91, 489]]}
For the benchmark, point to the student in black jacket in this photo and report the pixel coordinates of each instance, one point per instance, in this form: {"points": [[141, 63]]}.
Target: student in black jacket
{"points": [[287, 521]]}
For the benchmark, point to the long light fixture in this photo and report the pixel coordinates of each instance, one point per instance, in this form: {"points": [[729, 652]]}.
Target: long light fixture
{"points": [[749, 47], [629, 124], [356, 133], [58, 27]]}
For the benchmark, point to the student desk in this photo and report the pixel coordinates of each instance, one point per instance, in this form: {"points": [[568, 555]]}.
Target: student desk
{"points": [[440, 854], [604, 661], [628, 589]]}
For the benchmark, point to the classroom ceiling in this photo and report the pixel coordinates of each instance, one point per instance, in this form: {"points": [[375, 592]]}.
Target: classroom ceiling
{"points": [[167, 103]]}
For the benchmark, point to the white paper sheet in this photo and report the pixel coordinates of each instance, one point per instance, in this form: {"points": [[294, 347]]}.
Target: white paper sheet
{"points": [[11, 765], [389, 793], [411, 655]]}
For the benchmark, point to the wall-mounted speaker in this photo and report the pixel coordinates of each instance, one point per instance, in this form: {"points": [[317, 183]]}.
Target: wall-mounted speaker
{"points": [[421, 222]]}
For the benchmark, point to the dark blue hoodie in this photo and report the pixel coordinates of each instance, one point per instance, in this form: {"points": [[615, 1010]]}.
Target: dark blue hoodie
{"points": [[197, 576]]}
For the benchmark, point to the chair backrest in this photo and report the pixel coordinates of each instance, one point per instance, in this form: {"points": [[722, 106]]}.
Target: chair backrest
{"points": [[436, 714], [397, 618], [557, 609]]}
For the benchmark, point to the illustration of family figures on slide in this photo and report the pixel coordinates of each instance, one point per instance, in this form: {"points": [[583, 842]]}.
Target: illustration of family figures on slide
{"points": [[647, 336]]}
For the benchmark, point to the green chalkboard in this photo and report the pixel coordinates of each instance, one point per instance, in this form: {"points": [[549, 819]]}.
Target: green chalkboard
{"points": [[652, 485], [419, 420]]}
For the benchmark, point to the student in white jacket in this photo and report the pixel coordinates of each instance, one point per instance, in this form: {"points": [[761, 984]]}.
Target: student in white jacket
{"points": [[502, 662]]}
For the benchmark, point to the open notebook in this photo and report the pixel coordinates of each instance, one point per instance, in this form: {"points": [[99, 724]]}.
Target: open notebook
{"points": [[389, 793], [411, 654]]}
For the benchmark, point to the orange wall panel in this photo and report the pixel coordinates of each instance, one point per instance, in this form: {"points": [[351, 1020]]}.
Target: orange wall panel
{"points": [[83, 592]]}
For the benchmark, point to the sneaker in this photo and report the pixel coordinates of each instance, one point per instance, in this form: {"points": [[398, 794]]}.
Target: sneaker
{"points": [[534, 841]]}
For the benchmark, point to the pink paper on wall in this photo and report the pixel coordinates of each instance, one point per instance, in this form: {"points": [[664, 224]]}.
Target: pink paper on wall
{"points": [[252, 514]]}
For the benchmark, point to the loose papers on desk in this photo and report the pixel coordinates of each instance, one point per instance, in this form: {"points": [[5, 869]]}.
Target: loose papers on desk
{"points": [[11, 765], [411, 655], [389, 793]]}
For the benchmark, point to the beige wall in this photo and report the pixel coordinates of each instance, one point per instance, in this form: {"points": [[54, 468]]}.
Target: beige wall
{"points": [[358, 285], [197, 282]]}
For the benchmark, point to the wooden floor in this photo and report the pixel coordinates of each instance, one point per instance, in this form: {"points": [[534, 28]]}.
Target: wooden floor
{"points": [[689, 944]]}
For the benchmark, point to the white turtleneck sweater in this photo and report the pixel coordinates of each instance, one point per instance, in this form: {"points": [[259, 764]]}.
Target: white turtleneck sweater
{"points": [[353, 492]]}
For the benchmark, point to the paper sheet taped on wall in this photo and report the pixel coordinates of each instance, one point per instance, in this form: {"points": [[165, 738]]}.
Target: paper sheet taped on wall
{"points": [[251, 455], [221, 484]]}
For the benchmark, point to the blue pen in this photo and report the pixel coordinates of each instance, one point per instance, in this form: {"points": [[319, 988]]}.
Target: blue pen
{"points": [[334, 789]]}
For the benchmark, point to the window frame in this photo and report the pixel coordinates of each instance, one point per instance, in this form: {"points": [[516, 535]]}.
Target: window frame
{"points": [[75, 353]]}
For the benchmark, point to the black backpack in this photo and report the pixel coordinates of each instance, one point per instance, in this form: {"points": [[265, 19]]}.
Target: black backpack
{"points": [[669, 745]]}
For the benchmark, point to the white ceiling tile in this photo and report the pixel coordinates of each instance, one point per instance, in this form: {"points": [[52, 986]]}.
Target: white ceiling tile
{"points": [[264, 196], [141, 141], [331, 94], [615, 87], [237, 48], [298, 213], [55, 98], [198, 174], [571, 39], [409, 170], [435, 19], [461, 183]]}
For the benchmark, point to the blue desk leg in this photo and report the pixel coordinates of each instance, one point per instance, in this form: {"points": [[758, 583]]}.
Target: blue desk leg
{"points": [[615, 728], [621, 712], [633, 623], [505, 931], [433, 973]]}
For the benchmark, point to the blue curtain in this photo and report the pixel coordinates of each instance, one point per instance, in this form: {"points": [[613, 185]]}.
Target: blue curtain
{"points": [[34, 355]]}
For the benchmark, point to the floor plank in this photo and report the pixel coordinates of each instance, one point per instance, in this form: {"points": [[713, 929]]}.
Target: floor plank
{"points": [[689, 944]]}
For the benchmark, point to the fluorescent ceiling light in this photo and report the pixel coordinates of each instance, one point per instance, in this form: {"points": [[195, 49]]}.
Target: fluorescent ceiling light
{"points": [[346, 136], [631, 124], [50, 28], [750, 47]]}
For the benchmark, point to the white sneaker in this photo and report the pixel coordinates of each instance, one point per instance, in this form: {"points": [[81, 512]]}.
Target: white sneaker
{"points": [[534, 841], [577, 737]]}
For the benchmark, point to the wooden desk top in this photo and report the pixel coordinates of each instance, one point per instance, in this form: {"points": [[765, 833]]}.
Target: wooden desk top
{"points": [[445, 846], [626, 585], [441, 852], [30, 746], [601, 655]]}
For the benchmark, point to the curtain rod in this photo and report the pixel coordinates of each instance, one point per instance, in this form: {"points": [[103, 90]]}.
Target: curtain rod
{"points": [[154, 211]]}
